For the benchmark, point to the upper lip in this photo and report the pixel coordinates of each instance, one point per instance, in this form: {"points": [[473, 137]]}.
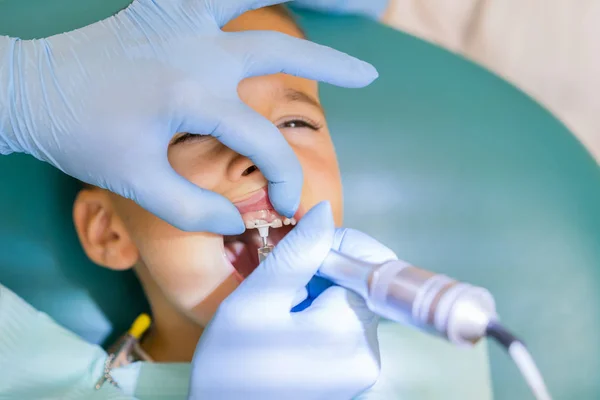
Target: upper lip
{"points": [[254, 201]]}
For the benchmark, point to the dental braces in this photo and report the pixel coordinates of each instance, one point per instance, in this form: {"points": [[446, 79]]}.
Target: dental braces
{"points": [[276, 223], [263, 231]]}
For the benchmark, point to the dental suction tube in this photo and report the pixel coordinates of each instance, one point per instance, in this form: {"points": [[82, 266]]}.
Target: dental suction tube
{"points": [[462, 313]]}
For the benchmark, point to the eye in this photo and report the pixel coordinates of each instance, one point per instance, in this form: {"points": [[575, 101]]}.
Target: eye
{"points": [[298, 123], [186, 137]]}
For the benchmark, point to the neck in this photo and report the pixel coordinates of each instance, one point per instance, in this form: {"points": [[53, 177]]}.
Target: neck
{"points": [[174, 334], [172, 340]]}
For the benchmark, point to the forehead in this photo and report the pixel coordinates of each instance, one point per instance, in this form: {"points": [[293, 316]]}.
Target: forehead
{"points": [[269, 19], [262, 92]]}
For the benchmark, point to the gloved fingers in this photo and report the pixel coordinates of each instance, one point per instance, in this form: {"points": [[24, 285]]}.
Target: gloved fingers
{"points": [[301, 58], [361, 246], [338, 308], [294, 261], [159, 189], [225, 11], [245, 131]]}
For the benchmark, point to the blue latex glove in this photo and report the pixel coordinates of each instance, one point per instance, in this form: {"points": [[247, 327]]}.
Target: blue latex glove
{"points": [[371, 8], [101, 103], [256, 348]]}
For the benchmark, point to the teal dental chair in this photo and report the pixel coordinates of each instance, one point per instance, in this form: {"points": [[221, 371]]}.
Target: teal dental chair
{"points": [[450, 166]]}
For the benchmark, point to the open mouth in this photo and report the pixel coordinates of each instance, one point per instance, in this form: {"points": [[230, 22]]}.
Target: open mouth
{"points": [[242, 250]]}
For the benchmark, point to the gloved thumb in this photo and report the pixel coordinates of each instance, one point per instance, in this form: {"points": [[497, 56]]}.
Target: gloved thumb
{"points": [[296, 259], [361, 246], [171, 197], [340, 308]]}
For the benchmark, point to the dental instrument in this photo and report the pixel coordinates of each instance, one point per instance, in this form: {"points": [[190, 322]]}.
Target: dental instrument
{"points": [[263, 232], [265, 250], [400, 292]]}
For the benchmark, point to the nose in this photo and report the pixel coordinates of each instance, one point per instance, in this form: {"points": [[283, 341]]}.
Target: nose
{"points": [[249, 170], [240, 168]]}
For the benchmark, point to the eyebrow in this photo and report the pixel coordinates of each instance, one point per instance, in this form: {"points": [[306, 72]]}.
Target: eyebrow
{"points": [[296, 95], [290, 95]]}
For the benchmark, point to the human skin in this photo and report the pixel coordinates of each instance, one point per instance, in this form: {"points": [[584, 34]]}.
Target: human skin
{"points": [[186, 275]]}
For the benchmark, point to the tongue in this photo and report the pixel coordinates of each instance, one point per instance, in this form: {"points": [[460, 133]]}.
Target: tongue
{"points": [[276, 235], [243, 254]]}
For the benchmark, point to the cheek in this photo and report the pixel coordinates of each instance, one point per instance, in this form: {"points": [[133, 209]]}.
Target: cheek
{"points": [[322, 179], [188, 268]]}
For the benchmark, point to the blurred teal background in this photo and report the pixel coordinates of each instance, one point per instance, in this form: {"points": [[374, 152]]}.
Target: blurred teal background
{"points": [[450, 166]]}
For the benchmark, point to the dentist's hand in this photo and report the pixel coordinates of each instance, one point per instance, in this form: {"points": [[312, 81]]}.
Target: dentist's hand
{"points": [[372, 8], [101, 103], [255, 348]]}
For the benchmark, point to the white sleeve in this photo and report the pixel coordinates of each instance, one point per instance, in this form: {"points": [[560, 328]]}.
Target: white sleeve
{"points": [[6, 49], [547, 48], [40, 359]]}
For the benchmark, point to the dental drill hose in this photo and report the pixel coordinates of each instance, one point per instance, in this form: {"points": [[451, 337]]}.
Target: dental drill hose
{"points": [[398, 291], [462, 313]]}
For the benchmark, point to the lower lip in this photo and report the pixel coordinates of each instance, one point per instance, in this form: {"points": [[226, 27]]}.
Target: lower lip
{"points": [[237, 276]]}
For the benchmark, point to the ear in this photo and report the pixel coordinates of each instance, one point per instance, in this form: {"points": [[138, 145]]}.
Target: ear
{"points": [[101, 231]]}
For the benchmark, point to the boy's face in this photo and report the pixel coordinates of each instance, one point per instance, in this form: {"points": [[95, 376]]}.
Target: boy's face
{"points": [[191, 273]]}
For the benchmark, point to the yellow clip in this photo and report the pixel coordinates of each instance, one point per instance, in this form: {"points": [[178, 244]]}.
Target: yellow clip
{"points": [[139, 326]]}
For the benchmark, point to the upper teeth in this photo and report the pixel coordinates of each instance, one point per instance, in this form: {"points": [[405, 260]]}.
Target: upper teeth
{"points": [[276, 223]]}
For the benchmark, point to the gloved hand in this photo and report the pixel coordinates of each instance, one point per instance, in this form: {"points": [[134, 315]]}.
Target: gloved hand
{"points": [[255, 348], [101, 103], [371, 8]]}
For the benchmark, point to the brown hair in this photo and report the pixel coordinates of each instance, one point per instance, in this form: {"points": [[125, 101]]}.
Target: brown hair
{"points": [[285, 12]]}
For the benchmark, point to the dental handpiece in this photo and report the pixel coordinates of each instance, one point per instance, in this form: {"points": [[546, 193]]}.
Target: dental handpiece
{"points": [[401, 292], [460, 312]]}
